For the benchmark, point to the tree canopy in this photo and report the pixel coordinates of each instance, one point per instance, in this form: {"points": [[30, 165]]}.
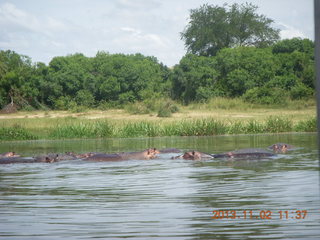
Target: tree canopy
{"points": [[212, 28]]}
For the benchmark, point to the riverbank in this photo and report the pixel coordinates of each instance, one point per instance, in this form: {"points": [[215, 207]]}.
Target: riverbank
{"points": [[189, 121]]}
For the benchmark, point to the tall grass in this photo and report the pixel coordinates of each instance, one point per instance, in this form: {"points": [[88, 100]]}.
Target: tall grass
{"points": [[83, 130], [16, 133], [193, 127]]}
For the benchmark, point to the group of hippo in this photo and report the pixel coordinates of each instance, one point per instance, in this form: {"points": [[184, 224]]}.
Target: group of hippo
{"points": [[151, 153]]}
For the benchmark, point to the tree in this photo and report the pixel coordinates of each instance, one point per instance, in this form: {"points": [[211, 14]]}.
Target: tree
{"points": [[212, 28], [243, 68], [194, 79]]}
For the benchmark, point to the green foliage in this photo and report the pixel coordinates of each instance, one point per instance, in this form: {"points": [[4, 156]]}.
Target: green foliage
{"points": [[15, 133], [244, 68], [309, 125], [64, 103], [212, 28], [194, 78], [137, 108], [300, 91], [294, 44], [265, 95], [84, 98], [139, 129], [83, 130], [75, 82], [278, 124], [166, 108]]}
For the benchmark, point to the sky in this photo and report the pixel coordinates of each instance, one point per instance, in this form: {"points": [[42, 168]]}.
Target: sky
{"points": [[43, 29]]}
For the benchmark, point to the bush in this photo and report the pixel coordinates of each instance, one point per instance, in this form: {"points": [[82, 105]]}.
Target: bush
{"points": [[164, 112], [265, 95], [85, 98], [167, 108], [137, 108], [64, 103], [309, 125], [300, 91]]}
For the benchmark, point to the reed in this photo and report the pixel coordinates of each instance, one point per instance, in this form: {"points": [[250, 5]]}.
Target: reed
{"points": [[138, 129], [16, 133], [83, 130], [309, 125], [71, 127]]}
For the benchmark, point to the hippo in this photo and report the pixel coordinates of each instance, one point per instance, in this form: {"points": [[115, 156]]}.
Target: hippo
{"points": [[170, 150], [9, 154], [281, 147], [73, 156], [146, 154], [49, 158], [193, 155], [103, 157], [249, 153], [39, 159]]}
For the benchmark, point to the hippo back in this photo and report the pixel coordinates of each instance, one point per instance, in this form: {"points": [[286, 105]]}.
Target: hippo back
{"points": [[104, 157]]}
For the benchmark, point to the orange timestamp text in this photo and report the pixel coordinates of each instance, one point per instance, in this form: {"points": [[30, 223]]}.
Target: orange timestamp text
{"points": [[259, 214]]}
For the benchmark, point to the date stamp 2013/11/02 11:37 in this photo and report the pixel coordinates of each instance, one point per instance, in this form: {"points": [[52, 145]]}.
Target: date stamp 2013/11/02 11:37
{"points": [[259, 214]]}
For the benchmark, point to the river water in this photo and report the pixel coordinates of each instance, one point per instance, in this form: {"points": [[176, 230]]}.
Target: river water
{"points": [[274, 198]]}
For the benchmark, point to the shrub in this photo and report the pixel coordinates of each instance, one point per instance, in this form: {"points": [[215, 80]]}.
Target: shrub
{"points": [[137, 108], [84, 98], [265, 95], [300, 91], [309, 125], [167, 108], [64, 103]]}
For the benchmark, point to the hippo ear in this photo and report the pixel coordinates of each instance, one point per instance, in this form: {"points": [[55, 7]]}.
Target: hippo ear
{"points": [[193, 152], [148, 152]]}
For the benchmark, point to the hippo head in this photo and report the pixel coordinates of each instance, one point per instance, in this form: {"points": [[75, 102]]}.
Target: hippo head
{"points": [[9, 154], [192, 155], [86, 155], [51, 159], [280, 148], [151, 153]]}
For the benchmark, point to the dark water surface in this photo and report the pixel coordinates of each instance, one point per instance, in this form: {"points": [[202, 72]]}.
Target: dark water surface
{"points": [[162, 198]]}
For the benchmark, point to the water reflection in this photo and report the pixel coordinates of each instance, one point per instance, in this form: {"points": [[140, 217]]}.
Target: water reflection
{"points": [[161, 198]]}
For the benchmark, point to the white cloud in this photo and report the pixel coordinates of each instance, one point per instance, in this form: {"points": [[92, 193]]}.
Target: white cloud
{"points": [[287, 31], [45, 29]]}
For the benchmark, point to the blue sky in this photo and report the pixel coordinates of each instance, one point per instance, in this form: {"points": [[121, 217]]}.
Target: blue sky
{"points": [[43, 29]]}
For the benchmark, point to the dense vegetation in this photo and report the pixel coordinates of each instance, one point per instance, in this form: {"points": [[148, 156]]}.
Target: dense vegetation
{"points": [[270, 75], [244, 59]]}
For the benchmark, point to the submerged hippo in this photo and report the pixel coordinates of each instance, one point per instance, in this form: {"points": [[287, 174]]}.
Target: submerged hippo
{"points": [[249, 153], [49, 158], [170, 150], [9, 154], [73, 156], [104, 157], [146, 154], [9, 160], [39, 159], [281, 147], [193, 155]]}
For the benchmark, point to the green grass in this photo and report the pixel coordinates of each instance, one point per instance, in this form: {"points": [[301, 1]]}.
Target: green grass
{"points": [[193, 127], [16, 133], [218, 116]]}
